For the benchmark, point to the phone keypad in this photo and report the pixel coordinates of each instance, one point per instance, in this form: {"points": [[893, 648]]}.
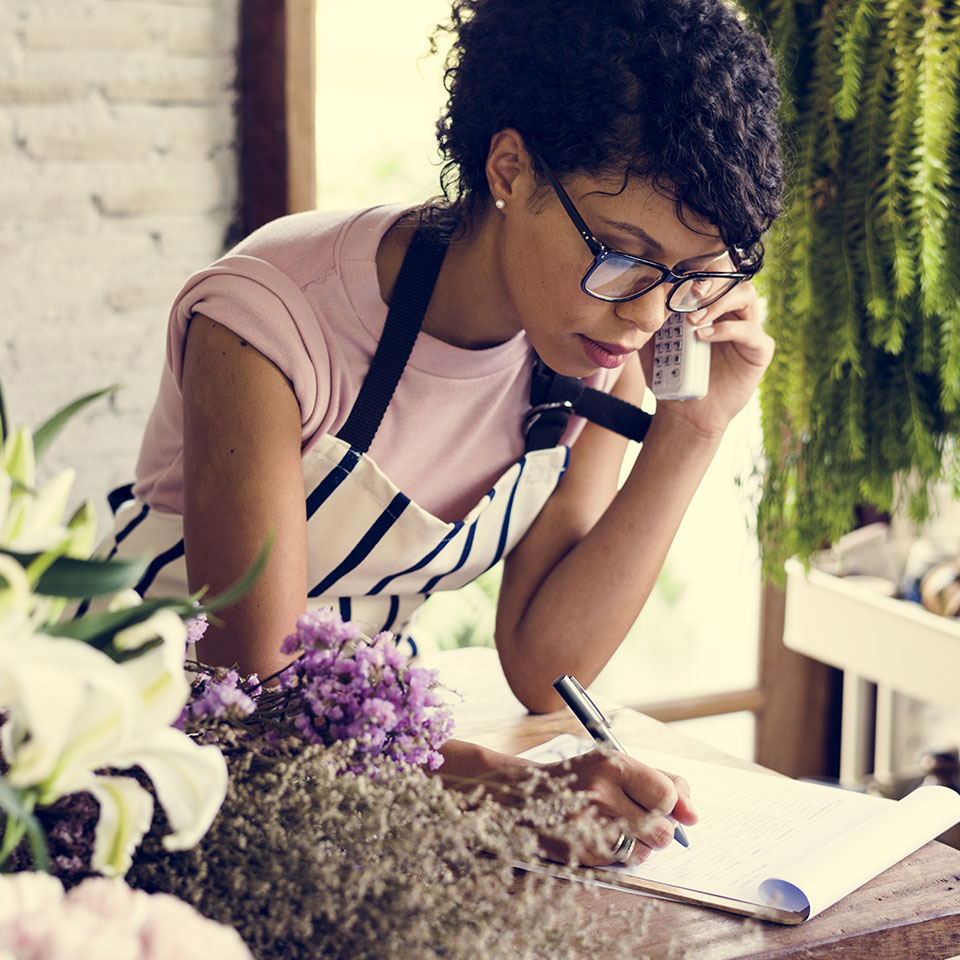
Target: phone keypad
{"points": [[667, 352]]}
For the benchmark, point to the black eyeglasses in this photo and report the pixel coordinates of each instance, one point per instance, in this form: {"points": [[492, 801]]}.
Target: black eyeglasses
{"points": [[618, 277]]}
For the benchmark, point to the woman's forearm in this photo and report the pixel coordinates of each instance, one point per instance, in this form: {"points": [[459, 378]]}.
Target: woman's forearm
{"points": [[584, 606]]}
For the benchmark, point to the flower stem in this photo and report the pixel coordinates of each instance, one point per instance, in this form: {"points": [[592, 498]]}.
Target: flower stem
{"points": [[12, 836]]}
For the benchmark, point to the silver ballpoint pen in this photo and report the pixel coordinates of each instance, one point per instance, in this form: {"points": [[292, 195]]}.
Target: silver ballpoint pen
{"points": [[596, 724]]}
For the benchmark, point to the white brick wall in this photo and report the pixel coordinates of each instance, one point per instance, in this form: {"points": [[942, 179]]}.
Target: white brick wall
{"points": [[117, 180]]}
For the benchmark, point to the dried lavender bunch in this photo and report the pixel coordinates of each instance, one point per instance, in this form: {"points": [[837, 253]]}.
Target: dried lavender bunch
{"points": [[217, 693], [342, 686], [346, 686], [307, 859]]}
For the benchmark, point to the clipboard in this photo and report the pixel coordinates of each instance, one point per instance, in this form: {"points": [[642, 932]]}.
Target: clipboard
{"points": [[768, 847]]}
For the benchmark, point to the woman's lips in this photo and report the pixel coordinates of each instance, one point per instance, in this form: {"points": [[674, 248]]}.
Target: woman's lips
{"points": [[602, 354]]}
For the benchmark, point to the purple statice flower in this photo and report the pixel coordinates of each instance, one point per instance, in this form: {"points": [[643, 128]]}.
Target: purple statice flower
{"points": [[345, 686], [196, 627], [221, 697], [221, 694], [253, 687], [320, 629]]}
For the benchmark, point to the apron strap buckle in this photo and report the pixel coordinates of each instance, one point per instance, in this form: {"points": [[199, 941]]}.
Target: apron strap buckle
{"points": [[557, 412], [554, 398]]}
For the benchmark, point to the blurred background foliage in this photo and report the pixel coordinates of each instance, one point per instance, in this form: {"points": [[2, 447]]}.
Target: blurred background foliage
{"points": [[862, 403]]}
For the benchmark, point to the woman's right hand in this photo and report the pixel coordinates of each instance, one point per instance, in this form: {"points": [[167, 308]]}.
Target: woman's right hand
{"points": [[618, 788], [647, 801]]}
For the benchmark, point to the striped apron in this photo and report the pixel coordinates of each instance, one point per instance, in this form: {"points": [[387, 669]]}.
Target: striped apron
{"points": [[373, 554]]}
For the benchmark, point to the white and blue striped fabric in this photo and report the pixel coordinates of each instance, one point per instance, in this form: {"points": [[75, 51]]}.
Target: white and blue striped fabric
{"points": [[373, 554]]}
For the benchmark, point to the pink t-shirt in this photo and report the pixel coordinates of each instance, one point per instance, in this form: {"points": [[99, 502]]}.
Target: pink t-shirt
{"points": [[303, 290]]}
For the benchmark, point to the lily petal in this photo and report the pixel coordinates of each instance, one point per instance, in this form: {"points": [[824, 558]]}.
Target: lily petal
{"points": [[164, 624], [158, 673], [126, 811], [124, 600], [45, 516], [190, 781], [83, 531], [17, 457], [78, 706], [43, 709], [15, 598]]}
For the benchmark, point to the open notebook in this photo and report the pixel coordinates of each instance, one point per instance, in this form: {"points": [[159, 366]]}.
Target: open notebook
{"points": [[771, 847]]}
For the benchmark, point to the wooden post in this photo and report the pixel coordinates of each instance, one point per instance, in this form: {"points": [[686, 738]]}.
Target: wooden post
{"points": [[798, 727], [276, 81], [301, 110]]}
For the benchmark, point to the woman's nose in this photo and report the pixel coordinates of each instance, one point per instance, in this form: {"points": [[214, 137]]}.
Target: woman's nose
{"points": [[648, 312]]}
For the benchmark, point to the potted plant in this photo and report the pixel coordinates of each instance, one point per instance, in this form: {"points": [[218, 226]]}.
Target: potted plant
{"points": [[862, 402]]}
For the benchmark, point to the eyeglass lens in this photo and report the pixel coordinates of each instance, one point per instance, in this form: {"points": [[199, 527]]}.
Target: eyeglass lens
{"points": [[615, 278]]}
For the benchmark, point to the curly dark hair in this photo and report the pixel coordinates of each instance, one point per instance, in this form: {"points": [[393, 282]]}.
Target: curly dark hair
{"points": [[678, 91]]}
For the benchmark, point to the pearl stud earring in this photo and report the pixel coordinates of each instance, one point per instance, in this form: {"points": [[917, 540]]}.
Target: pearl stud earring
{"points": [[499, 203]]}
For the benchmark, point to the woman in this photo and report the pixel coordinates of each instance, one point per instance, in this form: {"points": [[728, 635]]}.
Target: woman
{"points": [[597, 154]]}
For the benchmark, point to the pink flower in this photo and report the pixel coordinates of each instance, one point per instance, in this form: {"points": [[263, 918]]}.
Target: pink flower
{"points": [[105, 918]]}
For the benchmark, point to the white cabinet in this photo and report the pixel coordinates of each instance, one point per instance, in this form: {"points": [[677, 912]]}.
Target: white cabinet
{"points": [[895, 644]]}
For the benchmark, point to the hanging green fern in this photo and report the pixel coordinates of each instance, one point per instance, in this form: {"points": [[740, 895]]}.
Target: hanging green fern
{"points": [[862, 402]]}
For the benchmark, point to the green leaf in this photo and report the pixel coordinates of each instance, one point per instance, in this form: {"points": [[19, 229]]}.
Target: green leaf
{"points": [[78, 579], [98, 629], [119, 655], [44, 435], [11, 802]]}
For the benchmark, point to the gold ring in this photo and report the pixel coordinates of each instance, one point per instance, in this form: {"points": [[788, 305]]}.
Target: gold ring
{"points": [[623, 848]]}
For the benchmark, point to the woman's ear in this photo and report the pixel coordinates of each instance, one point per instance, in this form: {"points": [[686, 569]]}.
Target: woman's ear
{"points": [[509, 168]]}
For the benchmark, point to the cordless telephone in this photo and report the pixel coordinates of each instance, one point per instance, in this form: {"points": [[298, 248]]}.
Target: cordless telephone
{"points": [[681, 361]]}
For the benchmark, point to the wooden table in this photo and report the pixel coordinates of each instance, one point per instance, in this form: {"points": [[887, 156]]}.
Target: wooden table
{"points": [[909, 912]]}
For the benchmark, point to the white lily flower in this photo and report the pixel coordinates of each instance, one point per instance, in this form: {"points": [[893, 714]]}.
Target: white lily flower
{"points": [[31, 521], [40, 524], [73, 711], [67, 702]]}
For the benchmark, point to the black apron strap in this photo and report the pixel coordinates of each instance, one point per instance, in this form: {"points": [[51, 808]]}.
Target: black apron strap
{"points": [[554, 397], [117, 497], [411, 294]]}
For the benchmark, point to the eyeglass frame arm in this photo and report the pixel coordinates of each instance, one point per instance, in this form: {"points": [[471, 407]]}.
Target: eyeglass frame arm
{"points": [[600, 251]]}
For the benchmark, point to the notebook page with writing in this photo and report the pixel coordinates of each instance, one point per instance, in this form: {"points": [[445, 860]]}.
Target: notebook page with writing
{"points": [[771, 841]]}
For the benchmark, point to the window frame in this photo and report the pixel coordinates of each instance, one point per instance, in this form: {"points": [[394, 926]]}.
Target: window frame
{"points": [[276, 109]]}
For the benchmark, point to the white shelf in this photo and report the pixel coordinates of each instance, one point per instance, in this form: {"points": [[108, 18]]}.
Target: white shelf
{"points": [[895, 644], [891, 642]]}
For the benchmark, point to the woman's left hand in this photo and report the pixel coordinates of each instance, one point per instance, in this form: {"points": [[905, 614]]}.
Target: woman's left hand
{"points": [[741, 352]]}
